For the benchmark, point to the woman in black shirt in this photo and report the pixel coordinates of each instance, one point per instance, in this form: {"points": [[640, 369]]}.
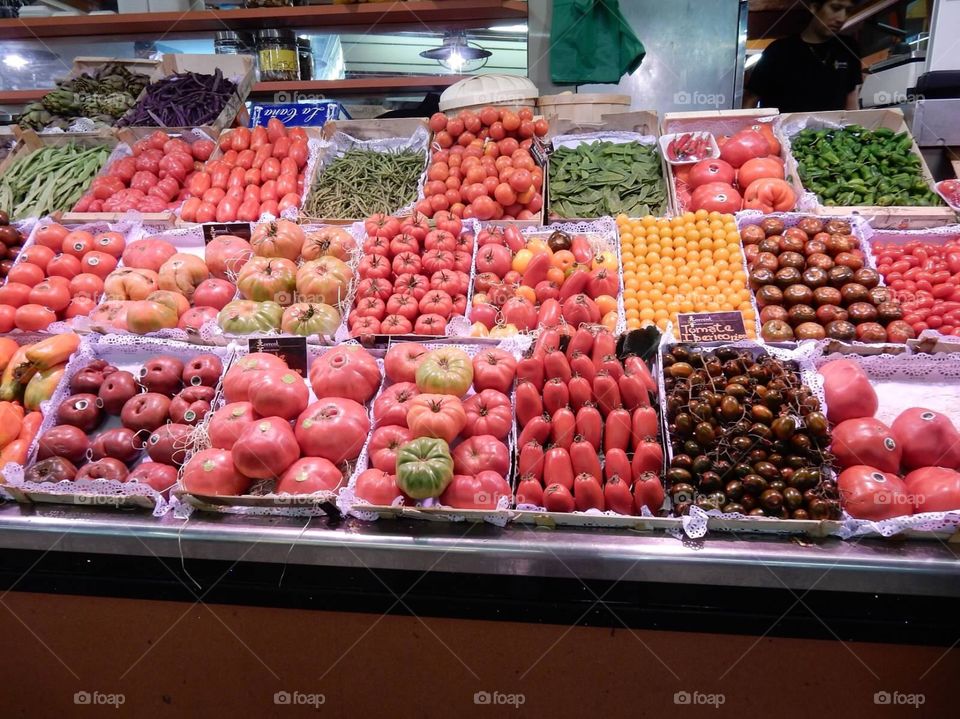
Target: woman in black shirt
{"points": [[815, 70]]}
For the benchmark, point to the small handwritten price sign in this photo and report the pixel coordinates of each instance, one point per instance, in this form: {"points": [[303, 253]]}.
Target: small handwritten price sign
{"points": [[711, 327], [292, 350]]}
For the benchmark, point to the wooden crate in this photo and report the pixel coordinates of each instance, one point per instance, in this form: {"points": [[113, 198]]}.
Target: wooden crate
{"points": [[128, 136], [903, 218], [29, 140], [581, 107], [717, 122], [239, 68]]}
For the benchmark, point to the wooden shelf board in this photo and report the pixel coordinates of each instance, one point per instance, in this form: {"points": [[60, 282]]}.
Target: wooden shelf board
{"points": [[372, 85], [443, 14]]}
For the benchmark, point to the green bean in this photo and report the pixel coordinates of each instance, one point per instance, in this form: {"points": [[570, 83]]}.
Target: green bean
{"points": [[361, 183], [49, 179]]}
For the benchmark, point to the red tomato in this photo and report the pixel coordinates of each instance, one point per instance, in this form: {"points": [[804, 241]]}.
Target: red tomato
{"points": [[377, 487], [280, 393], [716, 197], [77, 243], [557, 498], [33, 317], [333, 428], [934, 489], [52, 295], [8, 315], [866, 441], [927, 438], [51, 235], [707, 171], [98, 263], [744, 146], [79, 307], [62, 265], [15, 294], [211, 472], [868, 493]]}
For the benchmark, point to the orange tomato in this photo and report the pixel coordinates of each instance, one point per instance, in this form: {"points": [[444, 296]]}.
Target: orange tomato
{"points": [[481, 299], [538, 246], [527, 292], [555, 274], [609, 320], [521, 260], [606, 304], [564, 259]]}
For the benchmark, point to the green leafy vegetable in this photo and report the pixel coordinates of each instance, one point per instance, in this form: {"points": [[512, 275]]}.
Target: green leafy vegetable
{"points": [[606, 178]]}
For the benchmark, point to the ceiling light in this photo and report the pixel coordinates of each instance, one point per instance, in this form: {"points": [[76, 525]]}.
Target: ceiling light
{"points": [[457, 53], [508, 28], [15, 61], [752, 60]]}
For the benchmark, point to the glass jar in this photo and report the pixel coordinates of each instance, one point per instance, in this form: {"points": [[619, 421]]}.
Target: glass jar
{"points": [[227, 42], [305, 53], [267, 3], [277, 52]]}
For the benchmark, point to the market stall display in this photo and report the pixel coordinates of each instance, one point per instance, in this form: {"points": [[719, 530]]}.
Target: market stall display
{"points": [[922, 269], [443, 436], [589, 438], [367, 168], [413, 279], [482, 165], [689, 263], [255, 172], [601, 178], [119, 420], [50, 175], [746, 434], [361, 183], [60, 274], [855, 166], [147, 175], [748, 170], [895, 441], [864, 162], [812, 278], [33, 366], [99, 91], [542, 277], [281, 442]]}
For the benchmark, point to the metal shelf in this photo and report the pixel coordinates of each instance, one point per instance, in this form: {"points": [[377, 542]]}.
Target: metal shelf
{"points": [[921, 568]]}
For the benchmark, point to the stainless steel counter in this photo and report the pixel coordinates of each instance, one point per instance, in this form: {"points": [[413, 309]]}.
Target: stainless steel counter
{"points": [[929, 568]]}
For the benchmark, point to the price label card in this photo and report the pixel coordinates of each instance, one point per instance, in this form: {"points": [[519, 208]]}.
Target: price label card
{"points": [[215, 229], [292, 350], [711, 327]]}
